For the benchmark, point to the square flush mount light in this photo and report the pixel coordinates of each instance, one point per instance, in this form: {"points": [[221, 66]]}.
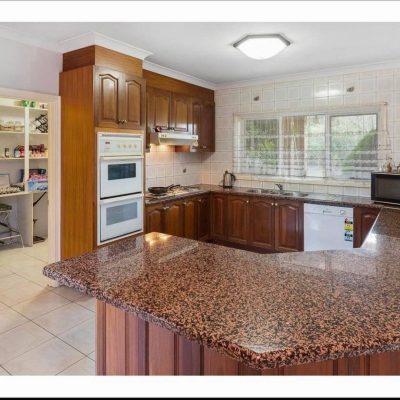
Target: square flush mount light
{"points": [[261, 47]]}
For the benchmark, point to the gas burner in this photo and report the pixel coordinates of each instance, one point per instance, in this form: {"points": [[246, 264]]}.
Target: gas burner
{"points": [[175, 191]]}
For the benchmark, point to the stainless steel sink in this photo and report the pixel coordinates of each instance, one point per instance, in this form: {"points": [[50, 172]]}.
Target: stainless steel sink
{"points": [[277, 192]]}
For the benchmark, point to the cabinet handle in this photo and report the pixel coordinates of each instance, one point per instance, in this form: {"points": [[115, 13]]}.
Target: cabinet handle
{"points": [[165, 208], [122, 121], [200, 200], [204, 147], [276, 204], [272, 204], [247, 201]]}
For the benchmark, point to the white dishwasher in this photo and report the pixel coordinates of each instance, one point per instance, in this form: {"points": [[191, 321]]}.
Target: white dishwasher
{"points": [[327, 227]]}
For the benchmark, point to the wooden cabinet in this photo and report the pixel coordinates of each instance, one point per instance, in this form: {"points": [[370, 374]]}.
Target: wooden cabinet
{"points": [[173, 219], [190, 218], [203, 217], [262, 223], [364, 218], [218, 211], [289, 226], [158, 108], [257, 222], [203, 124], [154, 219], [238, 219], [119, 99], [181, 113]]}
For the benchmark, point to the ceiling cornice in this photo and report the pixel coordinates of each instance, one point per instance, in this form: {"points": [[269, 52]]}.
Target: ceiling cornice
{"points": [[95, 38], [159, 69]]}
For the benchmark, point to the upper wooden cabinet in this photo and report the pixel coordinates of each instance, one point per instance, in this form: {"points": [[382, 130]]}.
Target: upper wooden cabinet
{"points": [[364, 218], [181, 113], [119, 99], [203, 124], [158, 108]]}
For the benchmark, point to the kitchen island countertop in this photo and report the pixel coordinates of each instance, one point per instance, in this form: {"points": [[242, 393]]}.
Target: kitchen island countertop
{"points": [[266, 311]]}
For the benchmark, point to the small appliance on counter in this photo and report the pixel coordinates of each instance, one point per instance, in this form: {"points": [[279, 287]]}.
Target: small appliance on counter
{"points": [[385, 187], [120, 185], [228, 180]]}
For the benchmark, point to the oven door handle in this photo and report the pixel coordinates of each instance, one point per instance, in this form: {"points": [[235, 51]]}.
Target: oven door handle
{"points": [[121, 198], [117, 158]]}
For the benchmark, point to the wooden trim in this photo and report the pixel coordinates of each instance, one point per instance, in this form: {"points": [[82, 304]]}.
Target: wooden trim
{"points": [[163, 82], [100, 338], [78, 162], [127, 345], [101, 56]]}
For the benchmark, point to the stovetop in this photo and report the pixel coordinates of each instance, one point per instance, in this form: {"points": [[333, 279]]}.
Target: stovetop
{"points": [[176, 191]]}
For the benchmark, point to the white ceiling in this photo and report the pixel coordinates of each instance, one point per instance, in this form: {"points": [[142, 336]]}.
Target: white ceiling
{"points": [[204, 50]]}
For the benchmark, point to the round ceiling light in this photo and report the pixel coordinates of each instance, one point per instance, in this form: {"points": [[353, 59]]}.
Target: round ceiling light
{"points": [[261, 47]]}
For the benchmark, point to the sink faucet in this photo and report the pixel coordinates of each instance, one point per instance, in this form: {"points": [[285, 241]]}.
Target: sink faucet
{"points": [[279, 185]]}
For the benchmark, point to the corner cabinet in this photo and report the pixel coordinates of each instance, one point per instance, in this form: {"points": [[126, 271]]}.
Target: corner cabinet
{"points": [[119, 99], [364, 218]]}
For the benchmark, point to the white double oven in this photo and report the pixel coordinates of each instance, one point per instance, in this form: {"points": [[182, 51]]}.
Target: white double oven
{"points": [[120, 194]]}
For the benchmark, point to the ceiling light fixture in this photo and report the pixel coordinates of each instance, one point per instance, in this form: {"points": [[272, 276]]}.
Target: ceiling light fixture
{"points": [[261, 47]]}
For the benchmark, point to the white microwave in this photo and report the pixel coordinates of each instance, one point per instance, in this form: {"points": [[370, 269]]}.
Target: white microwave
{"points": [[119, 217]]}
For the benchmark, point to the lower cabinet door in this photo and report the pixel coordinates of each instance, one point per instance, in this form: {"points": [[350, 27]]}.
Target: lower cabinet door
{"points": [[154, 220], [289, 226], [203, 218], [238, 219], [218, 216], [364, 218], [173, 219], [190, 218], [262, 223]]}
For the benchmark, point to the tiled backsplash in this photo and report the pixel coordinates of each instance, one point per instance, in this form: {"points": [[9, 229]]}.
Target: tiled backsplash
{"points": [[165, 167], [323, 92]]}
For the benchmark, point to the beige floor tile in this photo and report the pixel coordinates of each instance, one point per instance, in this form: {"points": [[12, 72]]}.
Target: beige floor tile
{"points": [[92, 356], [4, 271], [50, 358], [9, 319], [87, 302], [22, 266], [40, 305], [81, 337], [16, 258], [3, 372], [10, 281], [20, 340], [68, 293], [85, 366], [39, 250], [21, 292], [2, 306], [64, 318], [33, 273]]}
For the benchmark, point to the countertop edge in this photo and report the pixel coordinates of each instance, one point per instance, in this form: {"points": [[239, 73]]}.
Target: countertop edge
{"points": [[274, 359]]}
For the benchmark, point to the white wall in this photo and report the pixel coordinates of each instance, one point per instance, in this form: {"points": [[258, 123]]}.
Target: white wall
{"points": [[29, 68], [320, 92]]}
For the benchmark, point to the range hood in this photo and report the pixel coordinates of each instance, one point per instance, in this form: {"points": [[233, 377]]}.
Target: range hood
{"points": [[173, 139]]}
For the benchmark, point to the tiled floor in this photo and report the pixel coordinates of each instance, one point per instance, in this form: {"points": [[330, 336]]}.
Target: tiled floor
{"points": [[43, 330]]}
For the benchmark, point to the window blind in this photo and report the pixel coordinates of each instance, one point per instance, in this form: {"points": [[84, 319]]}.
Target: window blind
{"points": [[341, 146]]}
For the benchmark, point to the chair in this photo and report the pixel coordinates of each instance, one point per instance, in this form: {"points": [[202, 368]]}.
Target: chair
{"points": [[7, 234]]}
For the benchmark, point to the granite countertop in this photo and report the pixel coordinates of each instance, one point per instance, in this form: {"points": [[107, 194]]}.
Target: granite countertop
{"points": [[316, 198], [269, 310]]}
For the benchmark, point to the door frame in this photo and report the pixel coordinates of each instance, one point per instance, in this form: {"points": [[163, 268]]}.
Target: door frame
{"points": [[54, 163]]}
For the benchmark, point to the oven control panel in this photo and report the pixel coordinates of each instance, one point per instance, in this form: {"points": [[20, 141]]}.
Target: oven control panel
{"points": [[114, 145]]}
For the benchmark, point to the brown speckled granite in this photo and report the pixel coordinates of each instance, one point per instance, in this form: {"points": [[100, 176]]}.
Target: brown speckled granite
{"points": [[265, 310], [316, 198]]}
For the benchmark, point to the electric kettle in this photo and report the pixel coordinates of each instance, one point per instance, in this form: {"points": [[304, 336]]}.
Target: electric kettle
{"points": [[228, 180]]}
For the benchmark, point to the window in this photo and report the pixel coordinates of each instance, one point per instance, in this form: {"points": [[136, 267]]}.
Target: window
{"points": [[323, 145]]}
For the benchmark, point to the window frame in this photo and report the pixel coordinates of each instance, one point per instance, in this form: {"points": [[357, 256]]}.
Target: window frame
{"points": [[380, 110]]}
